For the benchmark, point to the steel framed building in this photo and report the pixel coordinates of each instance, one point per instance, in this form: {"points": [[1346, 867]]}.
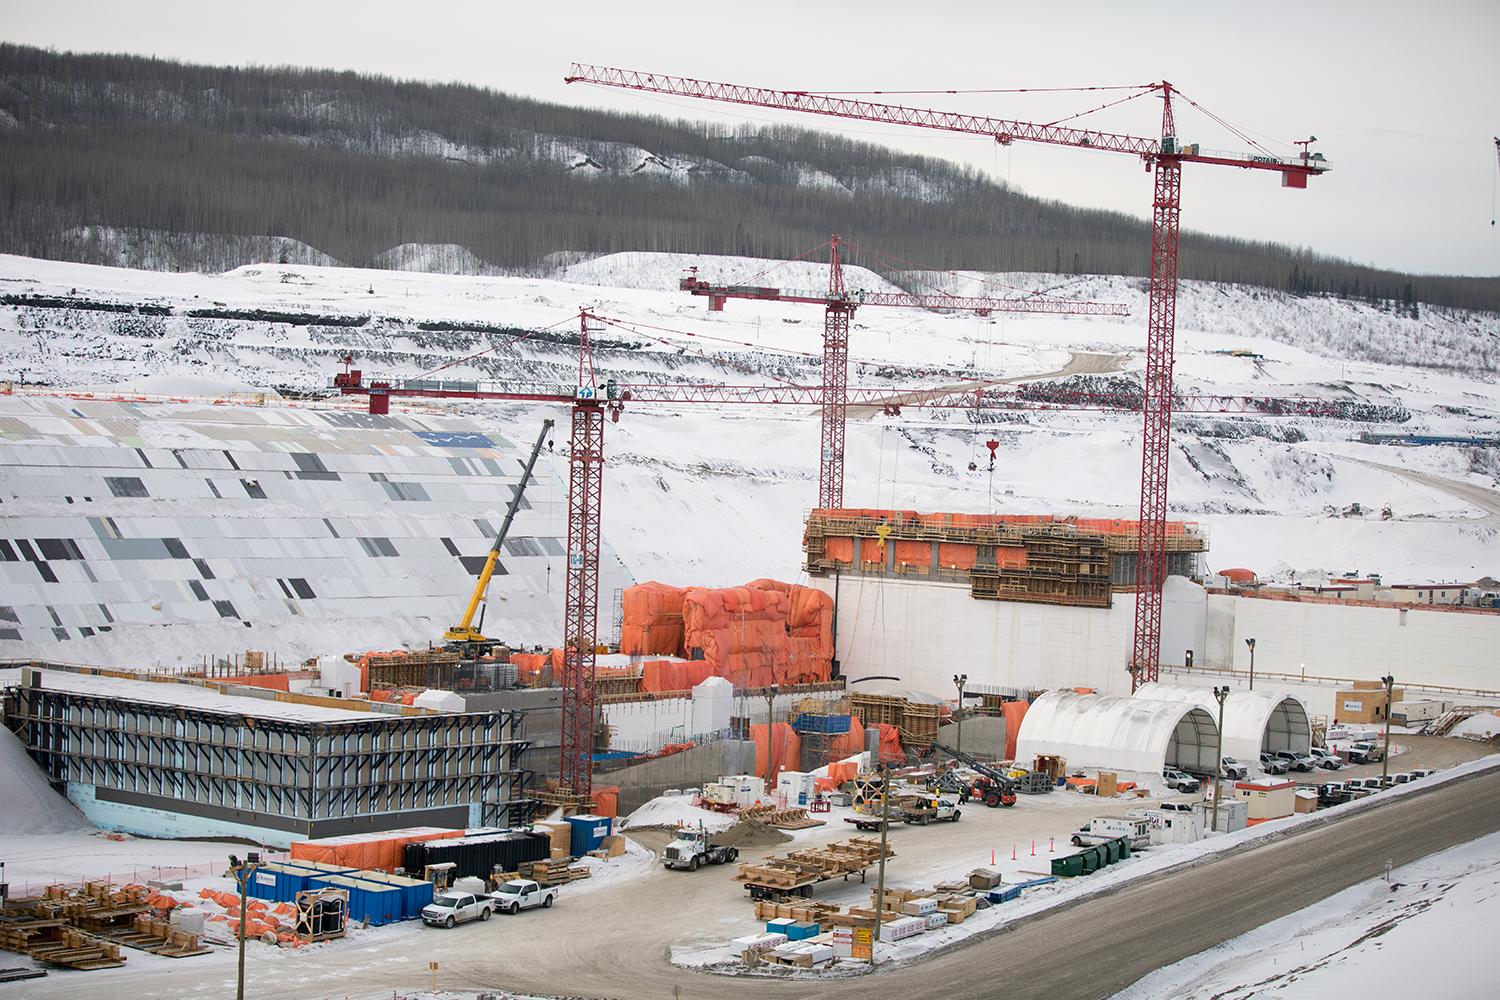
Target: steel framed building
{"points": [[175, 760]]}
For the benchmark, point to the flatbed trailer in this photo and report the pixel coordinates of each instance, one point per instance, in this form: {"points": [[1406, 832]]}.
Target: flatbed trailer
{"points": [[794, 875]]}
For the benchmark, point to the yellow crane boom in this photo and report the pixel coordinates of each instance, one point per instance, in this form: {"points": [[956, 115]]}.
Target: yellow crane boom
{"points": [[464, 634]]}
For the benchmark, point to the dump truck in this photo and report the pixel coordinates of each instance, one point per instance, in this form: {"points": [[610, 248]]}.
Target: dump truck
{"points": [[692, 849]]}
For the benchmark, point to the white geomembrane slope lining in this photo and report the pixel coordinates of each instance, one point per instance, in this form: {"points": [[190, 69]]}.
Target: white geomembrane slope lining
{"points": [[1122, 734], [31, 807], [1254, 721]]}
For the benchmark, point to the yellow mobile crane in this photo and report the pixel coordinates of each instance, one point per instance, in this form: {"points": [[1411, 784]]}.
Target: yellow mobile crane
{"points": [[464, 637]]}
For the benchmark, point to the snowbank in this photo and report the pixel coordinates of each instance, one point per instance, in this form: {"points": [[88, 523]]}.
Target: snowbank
{"points": [[31, 807], [672, 811]]}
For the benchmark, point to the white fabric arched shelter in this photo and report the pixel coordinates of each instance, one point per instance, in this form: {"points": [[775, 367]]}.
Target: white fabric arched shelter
{"points": [[1254, 721], [1121, 734]]}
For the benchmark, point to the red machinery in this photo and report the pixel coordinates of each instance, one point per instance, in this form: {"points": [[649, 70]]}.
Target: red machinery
{"points": [[1166, 155]]}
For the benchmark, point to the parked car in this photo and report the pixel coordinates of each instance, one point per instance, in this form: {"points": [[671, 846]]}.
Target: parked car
{"points": [[1272, 764], [449, 908], [1369, 784], [1402, 779], [1179, 780], [1355, 788], [1332, 793], [522, 894], [1419, 772], [1235, 769], [1326, 758], [1297, 761], [1367, 752]]}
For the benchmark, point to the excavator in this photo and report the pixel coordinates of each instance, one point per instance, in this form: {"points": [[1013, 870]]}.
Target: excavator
{"points": [[466, 638]]}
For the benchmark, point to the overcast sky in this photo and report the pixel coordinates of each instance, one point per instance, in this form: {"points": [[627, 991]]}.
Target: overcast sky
{"points": [[1404, 97]]}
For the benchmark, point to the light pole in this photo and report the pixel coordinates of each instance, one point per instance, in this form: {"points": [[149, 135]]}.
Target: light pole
{"points": [[885, 825], [1385, 758], [243, 872], [771, 693], [1220, 693], [959, 681], [1251, 644]]}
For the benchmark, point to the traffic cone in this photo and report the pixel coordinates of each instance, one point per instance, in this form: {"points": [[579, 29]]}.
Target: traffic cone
{"points": [[992, 856], [1013, 852], [1050, 848], [1033, 847]]}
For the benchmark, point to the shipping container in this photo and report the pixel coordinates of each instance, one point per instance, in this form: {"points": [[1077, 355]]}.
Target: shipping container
{"points": [[415, 893], [369, 902], [481, 855], [589, 833]]}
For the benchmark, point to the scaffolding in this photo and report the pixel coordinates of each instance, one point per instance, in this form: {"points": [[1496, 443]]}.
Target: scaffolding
{"points": [[1005, 558]]}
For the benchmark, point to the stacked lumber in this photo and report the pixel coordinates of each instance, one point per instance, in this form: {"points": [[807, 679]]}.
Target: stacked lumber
{"points": [[809, 913], [55, 943], [795, 818], [916, 722], [157, 937], [814, 864], [554, 871]]}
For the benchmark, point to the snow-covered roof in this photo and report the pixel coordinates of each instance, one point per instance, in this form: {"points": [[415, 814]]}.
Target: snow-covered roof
{"points": [[1125, 734], [1254, 721], [188, 696]]}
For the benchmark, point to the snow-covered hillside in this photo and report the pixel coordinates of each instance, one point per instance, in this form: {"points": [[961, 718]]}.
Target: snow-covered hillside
{"points": [[717, 495]]}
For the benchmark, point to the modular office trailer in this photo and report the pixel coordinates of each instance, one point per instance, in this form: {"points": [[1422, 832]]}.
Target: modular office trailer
{"points": [[180, 760]]}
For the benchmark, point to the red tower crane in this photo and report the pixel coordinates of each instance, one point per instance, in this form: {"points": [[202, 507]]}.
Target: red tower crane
{"points": [[1165, 154], [838, 313], [586, 473]]}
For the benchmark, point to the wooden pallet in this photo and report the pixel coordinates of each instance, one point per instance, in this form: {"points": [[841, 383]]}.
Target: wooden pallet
{"points": [[158, 938], [553, 872], [795, 818], [46, 941]]}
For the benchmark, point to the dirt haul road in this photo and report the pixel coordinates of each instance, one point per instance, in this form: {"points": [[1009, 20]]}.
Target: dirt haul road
{"points": [[1079, 363], [614, 942]]}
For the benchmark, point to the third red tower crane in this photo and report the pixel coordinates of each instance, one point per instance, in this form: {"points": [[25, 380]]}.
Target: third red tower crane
{"points": [[1165, 155], [838, 313]]}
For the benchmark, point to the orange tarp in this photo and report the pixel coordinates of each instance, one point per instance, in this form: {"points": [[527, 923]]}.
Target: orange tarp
{"points": [[272, 682], [384, 853], [607, 801], [839, 549], [651, 620], [955, 555], [1010, 557], [1013, 712], [850, 743], [872, 550], [781, 746], [667, 675], [890, 743], [528, 665], [914, 553]]}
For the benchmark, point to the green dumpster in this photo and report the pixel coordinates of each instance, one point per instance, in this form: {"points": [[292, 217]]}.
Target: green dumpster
{"points": [[1124, 848], [1068, 867], [1111, 851], [1092, 860]]}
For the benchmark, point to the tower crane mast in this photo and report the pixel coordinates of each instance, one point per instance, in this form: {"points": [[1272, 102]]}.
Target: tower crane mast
{"points": [[1165, 155]]}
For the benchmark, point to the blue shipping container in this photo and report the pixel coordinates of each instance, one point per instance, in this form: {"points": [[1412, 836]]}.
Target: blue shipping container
{"points": [[415, 893], [588, 833], [369, 902]]}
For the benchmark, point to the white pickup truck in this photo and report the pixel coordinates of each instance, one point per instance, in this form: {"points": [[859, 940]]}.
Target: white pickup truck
{"points": [[449, 908], [522, 894]]}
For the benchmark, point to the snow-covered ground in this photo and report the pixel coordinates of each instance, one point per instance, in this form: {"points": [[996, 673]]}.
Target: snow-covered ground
{"points": [[1430, 922], [717, 495]]}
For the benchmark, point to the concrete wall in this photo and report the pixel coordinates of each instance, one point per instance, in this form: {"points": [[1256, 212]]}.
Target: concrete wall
{"points": [[689, 769], [1418, 646], [983, 736], [922, 632]]}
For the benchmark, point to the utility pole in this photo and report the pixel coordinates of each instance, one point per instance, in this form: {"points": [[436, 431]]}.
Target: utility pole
{"points": [[1251, 644], [960, 681], [1385, 759], [1220, 693], [243, 873], [885, 826]]}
